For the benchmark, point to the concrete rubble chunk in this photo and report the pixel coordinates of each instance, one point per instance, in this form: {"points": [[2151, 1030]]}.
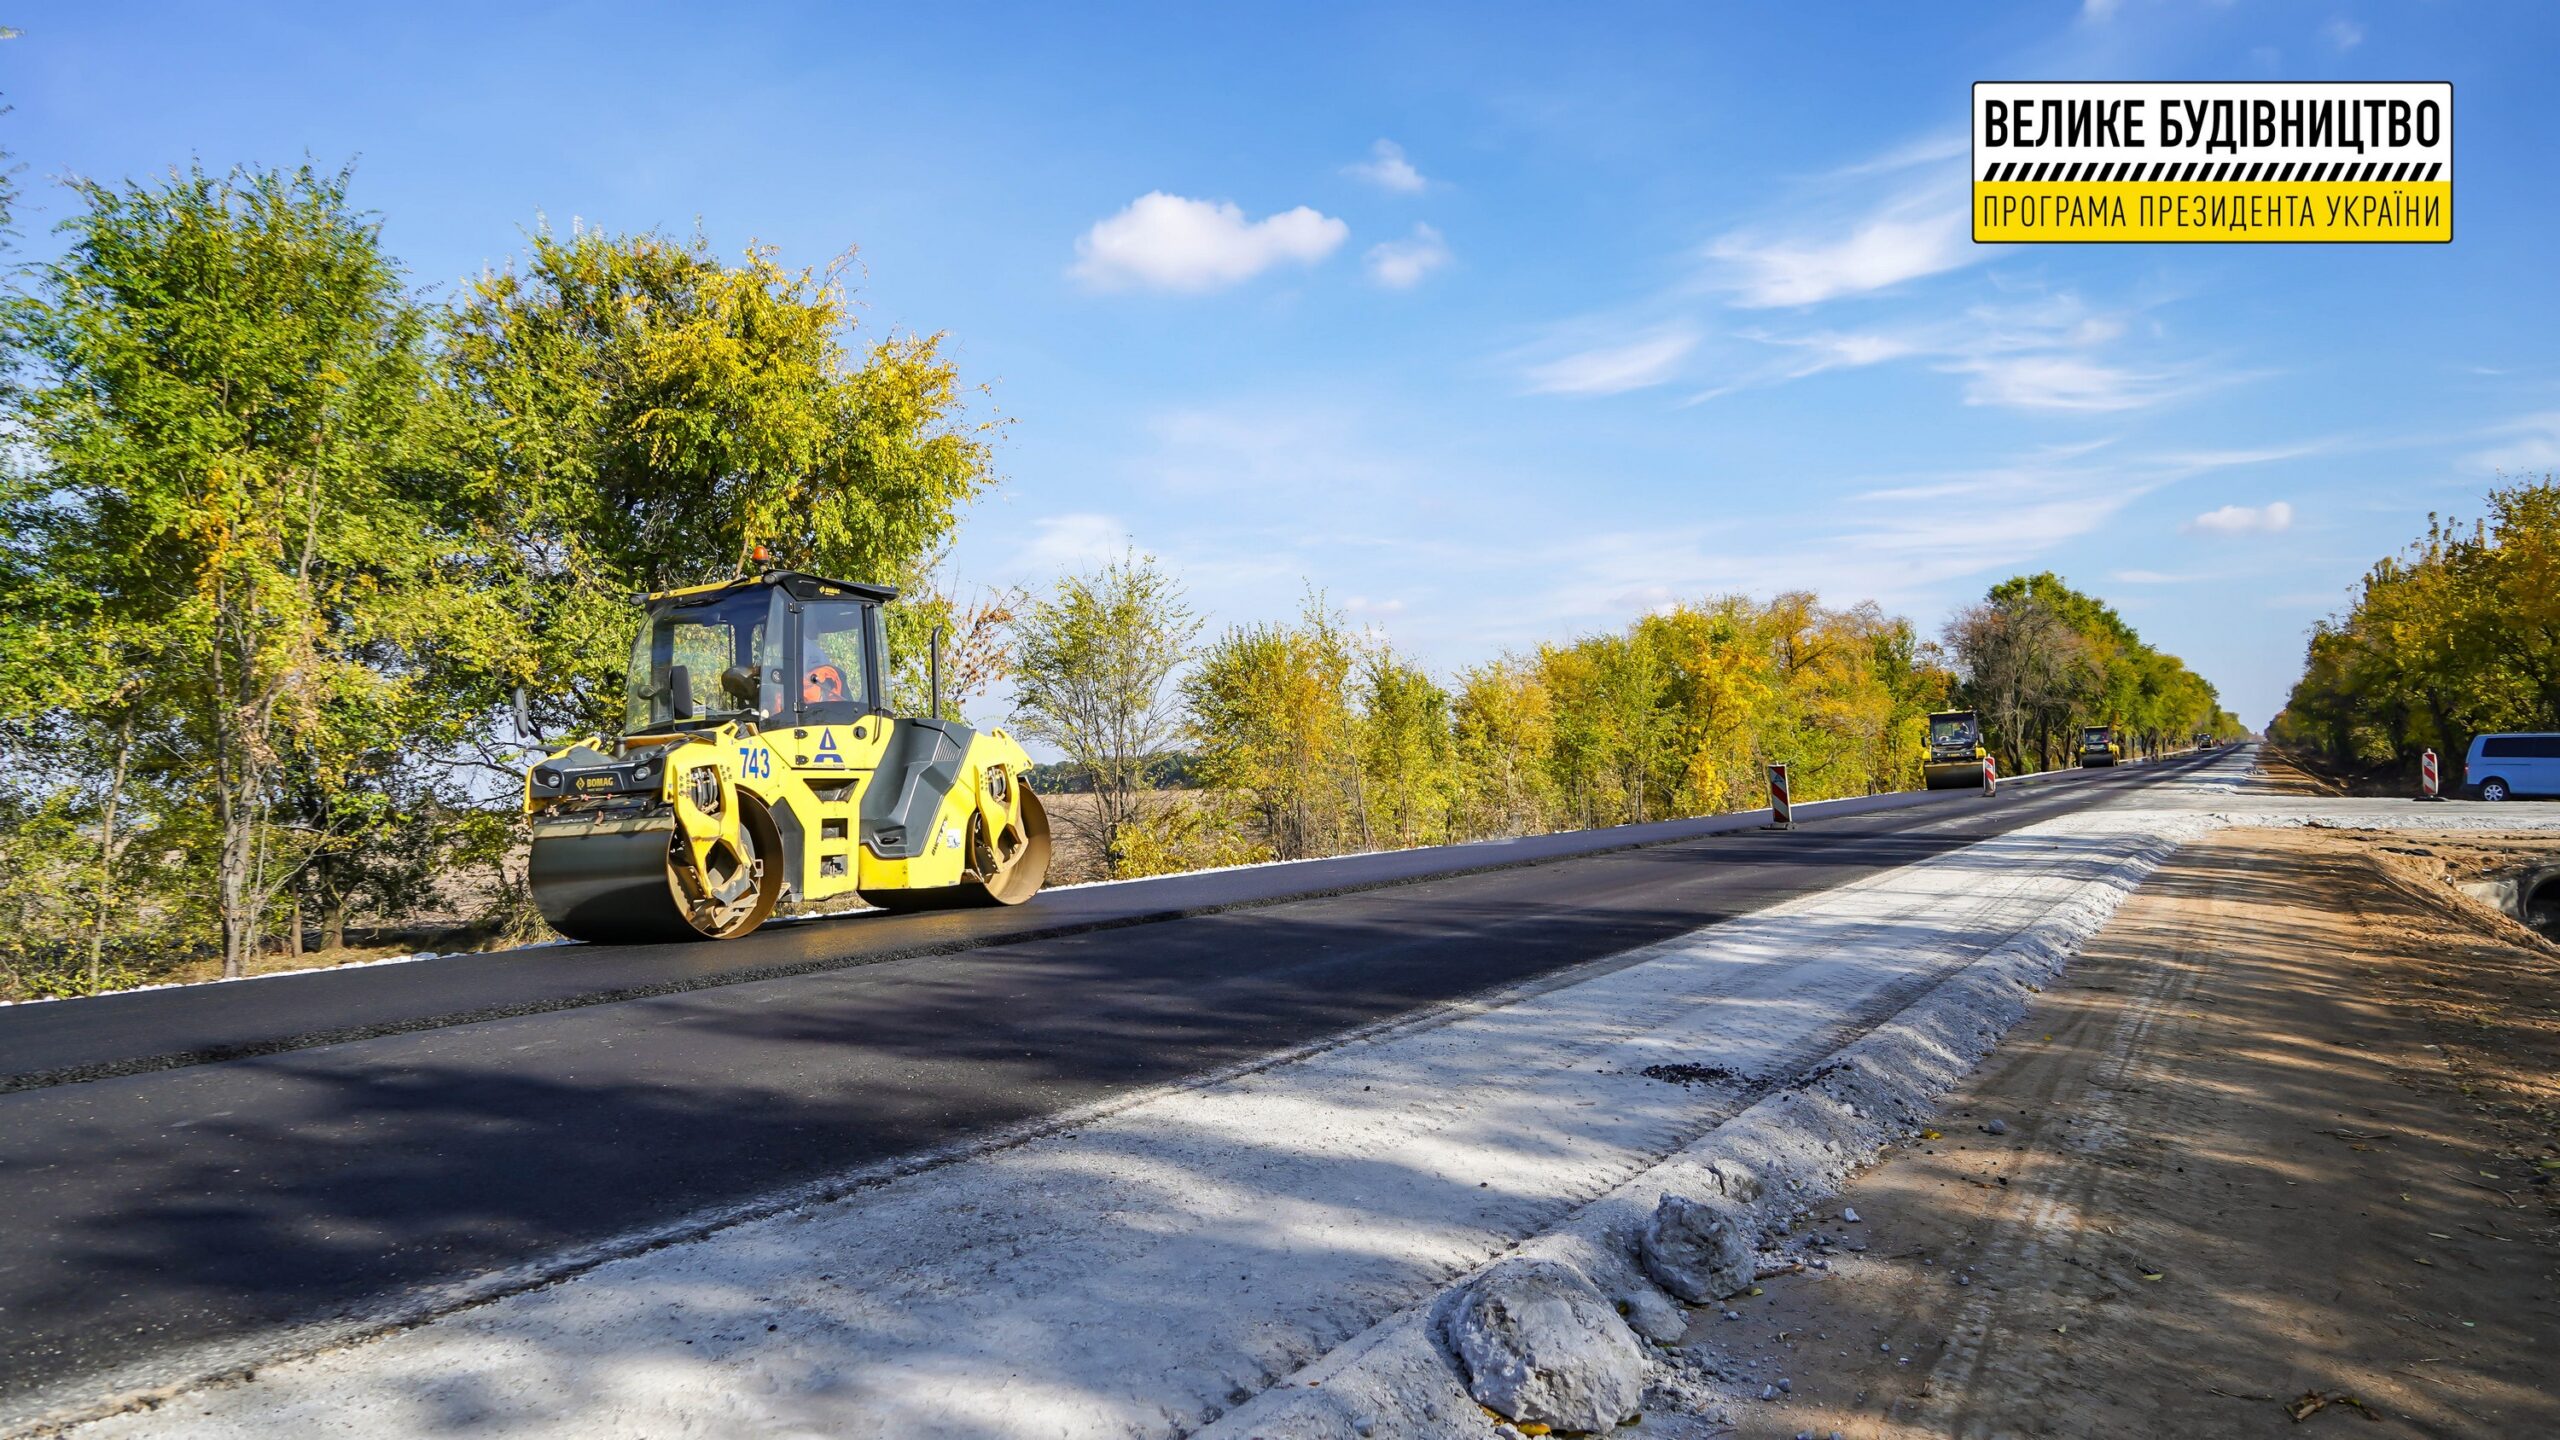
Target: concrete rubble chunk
{"points": [[1539, 1343], [1696, 1251], [1654, 1315]]}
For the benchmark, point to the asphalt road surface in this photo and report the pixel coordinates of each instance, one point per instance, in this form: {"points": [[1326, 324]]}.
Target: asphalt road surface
{"points": [[175, 1218]]}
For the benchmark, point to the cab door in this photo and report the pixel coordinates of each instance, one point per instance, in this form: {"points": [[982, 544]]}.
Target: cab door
{"points": [[839, 728]]}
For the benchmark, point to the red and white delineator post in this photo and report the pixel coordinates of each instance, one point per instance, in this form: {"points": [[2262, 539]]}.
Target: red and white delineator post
{"points": [[1782, 809], [1990, 778], [2427, 781]]}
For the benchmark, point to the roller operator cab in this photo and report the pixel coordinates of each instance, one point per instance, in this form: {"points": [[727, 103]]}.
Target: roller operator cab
{"points": [[2099, 745], [759, 771], [1952, 756]]}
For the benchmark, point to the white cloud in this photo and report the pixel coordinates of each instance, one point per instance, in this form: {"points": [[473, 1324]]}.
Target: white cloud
{"points": [[2152, 577], [2041, 351], [2245, 519], [2342, 34], [2260, 455], [2055, 382], [1900, 559], [1612, 369], [1168, 242], [1812, 355], [2018, 345], [2533, 445], [1295, 454], [1919, 234], [1855, 350], [1064, 543], [1900, 542], [1839, 350], [1927, 150], [1401, 264], [2099, 11], [1387, 169]]}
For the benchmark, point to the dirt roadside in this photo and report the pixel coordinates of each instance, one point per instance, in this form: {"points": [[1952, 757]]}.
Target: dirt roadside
{"points": [[2283, 1139]]}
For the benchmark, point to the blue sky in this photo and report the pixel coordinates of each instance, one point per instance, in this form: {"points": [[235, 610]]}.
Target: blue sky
{"points": [[1498, 323]]}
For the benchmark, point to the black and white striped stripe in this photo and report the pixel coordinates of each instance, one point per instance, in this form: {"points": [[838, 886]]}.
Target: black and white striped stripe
{"points": [[2211, 172]]}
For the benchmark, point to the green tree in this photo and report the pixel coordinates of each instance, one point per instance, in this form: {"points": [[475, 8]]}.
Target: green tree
{"points": [[2027, 673], [639, 415], [228, 409], [1502, 738], [1271, 718], [1407, 757], [1091, 667], [2459, 634]]}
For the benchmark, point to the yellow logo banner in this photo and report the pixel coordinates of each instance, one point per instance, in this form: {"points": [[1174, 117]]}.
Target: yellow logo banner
{"points": [[2075, 162]]}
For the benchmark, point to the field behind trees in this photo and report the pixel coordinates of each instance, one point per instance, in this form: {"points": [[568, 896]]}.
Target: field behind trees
{"points": [[284, 541]]}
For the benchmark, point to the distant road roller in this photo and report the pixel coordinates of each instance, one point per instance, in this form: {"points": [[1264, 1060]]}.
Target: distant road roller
{"points": [[2100, 745], [1951, 758], [760, 771]]}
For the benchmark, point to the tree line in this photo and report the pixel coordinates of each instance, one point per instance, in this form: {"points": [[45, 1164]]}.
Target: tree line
{"points": [[2042, 659], [1309, 737], [2455, 636], [285, 536]]}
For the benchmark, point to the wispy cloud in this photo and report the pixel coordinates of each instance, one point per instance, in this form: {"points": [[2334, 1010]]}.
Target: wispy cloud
{"points": [[2268, 519], [1294, 452], [1925, 151], [1063, 543], [2342, 34], [1612, 369], [1914, 235], [2529, 443], [1401, 264], [2257, 455], [1169, 242], [1811, 354], [2058, 382], [1388, 169], [1832, 248], [1901, 541], [2041, 352]]}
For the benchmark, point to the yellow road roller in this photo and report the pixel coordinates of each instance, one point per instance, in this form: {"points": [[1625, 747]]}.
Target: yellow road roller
{"points": [[759, 771], [2100, 745], [1951, 758]]}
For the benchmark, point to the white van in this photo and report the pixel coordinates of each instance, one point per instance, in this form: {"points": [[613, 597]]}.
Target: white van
{"points": [[2503, 767]]}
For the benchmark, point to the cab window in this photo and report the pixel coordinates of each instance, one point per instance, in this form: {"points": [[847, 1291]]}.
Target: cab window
{"points": [[833, 679], [697, 660]]}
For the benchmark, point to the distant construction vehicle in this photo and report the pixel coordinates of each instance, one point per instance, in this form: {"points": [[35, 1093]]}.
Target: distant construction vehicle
{"points": [[2100, 745], [1951, 758], [760, 771]]}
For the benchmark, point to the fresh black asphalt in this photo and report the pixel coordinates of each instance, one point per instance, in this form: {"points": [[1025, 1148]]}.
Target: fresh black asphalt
{"points": [[166, 1212], [140, 1030]]}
